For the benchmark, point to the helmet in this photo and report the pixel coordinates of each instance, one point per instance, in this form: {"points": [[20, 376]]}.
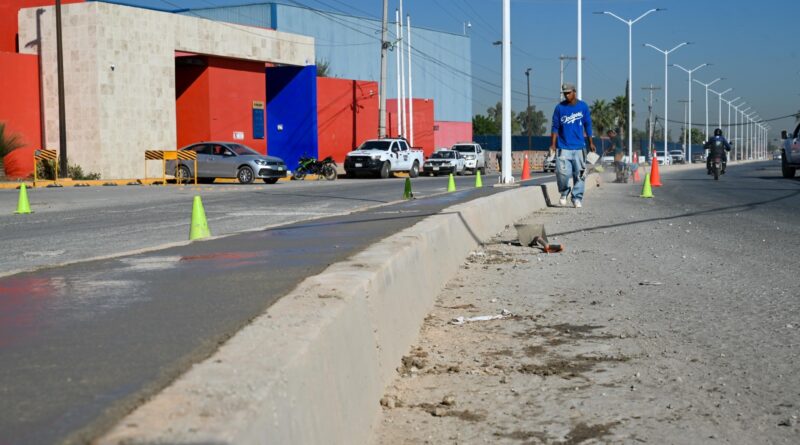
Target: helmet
{"points": [[718, 132]]}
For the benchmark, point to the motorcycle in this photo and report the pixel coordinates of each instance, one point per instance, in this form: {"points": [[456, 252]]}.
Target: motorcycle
{"points": [[715, 159], [325, 168]]}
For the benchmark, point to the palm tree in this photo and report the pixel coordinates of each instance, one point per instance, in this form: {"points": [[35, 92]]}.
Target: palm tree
{"points": [[602, 116]]}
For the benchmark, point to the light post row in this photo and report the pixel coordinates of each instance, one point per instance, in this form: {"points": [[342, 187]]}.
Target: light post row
{"points": [[630, 71]]}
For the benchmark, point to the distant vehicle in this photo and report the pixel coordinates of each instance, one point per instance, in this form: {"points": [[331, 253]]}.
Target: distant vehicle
{"points": [[662, 160], [444, 161], [699, 157], [550, 163], [228, 160], [474, 156], [777, 156], [382, 157], [790, 154], [677, 156]]}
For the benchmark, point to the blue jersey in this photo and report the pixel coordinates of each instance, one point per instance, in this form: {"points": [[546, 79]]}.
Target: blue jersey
{"points": [[570, 122]]}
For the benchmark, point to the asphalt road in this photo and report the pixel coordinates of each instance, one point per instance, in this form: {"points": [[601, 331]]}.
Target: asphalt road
{"points": [[73, 224], [83, 344]]}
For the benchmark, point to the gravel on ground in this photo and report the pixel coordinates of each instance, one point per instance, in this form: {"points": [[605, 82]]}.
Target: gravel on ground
{"points": [[636, 333]]}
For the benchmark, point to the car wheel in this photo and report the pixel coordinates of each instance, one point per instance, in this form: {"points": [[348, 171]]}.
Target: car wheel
{"points": [[270, 180], [386, 170], [414, 172], [183, 174], [786, 171], [245, 175]]}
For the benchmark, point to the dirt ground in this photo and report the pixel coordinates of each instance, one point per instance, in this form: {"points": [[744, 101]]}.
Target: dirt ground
{"points": [[610, 341]]}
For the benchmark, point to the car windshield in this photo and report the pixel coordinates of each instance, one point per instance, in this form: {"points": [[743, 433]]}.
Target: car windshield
{"points": [[444, 155], [242, 150], [464, 148], [375, 145]]}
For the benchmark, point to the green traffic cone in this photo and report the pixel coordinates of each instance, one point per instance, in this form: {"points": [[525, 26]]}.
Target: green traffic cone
{"points": [[23, 206], [199, 227], [647, 192], [478, 182], [451, 184], [407, 194]]}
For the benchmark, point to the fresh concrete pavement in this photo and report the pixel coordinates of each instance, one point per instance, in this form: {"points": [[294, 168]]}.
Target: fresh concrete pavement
{"points": [[84, 344]]}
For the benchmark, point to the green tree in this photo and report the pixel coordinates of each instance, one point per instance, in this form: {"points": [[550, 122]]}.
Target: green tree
{"points": [[323, 68], [602, 117], [482, 125], [697, 136], [538, 121], [495, 113]]}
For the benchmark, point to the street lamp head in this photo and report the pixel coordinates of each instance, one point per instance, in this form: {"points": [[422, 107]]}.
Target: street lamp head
{"points": [[528, 71]]}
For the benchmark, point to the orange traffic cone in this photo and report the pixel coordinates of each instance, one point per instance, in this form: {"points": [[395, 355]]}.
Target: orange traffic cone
{"points": [[655, 178], [526, 169]]}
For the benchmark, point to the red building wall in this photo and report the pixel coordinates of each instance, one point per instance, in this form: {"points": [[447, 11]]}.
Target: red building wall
{"points": [[8, 19], [347, 115], [423, 123], [19, 109], [445, 134], [216, 100]]}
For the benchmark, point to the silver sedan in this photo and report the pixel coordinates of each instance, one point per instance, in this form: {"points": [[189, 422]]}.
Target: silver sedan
{"points": [[229, 160]]}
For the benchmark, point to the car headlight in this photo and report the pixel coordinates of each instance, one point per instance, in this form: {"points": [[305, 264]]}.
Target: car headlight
{"points": [[375, 157], [470, 157], [260, 162]]}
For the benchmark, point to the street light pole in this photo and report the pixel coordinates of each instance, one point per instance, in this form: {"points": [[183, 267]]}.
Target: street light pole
{"points": [[708, 85], [506, 177], [630, 71], [579, 93], [689, 143], [528, 117], [728, 130], [719, 107], [666, 88]]}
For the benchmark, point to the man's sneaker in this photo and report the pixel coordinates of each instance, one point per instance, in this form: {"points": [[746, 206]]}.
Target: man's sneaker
{"points": [[578, 204], [563, 201]]}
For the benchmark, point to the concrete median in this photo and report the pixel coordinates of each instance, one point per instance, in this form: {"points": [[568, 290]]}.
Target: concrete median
{"points": [[314, 366]]}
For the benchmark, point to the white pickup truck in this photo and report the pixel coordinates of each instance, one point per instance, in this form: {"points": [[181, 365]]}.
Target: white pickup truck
{"points": [[474, 157], [790, 153], [382, 157]]}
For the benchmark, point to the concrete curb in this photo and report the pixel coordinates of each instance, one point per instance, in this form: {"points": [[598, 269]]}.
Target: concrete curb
{"points": [[313, 368]]}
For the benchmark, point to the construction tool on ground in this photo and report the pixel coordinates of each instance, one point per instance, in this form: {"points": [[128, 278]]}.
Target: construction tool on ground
{"points": [[534, 235]]}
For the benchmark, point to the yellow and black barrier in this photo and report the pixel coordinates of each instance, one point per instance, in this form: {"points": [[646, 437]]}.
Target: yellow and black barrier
{"points": [[44, 155], [170, 155]]}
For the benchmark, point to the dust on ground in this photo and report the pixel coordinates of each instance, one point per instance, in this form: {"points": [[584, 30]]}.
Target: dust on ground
{"points": [[595, 346]]}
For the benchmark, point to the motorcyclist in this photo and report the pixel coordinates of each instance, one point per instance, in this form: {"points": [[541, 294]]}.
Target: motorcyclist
{"points": [[717, 143]]}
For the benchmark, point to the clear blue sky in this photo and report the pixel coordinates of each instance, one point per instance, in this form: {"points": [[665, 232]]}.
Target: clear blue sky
{"points": [[754, 45]]}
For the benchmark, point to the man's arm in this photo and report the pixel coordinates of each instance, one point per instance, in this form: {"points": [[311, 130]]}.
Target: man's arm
{"points": [[587, 126], [556, 122]]}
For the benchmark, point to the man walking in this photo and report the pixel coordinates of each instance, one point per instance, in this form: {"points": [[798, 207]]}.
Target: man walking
{"points": [[572, 124]]}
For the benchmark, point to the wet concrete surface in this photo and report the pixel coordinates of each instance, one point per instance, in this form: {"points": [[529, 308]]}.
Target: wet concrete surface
{"points": [[84, 344]]}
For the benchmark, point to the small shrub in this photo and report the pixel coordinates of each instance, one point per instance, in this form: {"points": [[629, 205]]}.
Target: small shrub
{"points": [[47, 170]]}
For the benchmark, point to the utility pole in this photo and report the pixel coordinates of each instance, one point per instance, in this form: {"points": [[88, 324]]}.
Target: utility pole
{"points": [[562, 58], [528, 118], [384, 48], [650, 125], [62, 120]]}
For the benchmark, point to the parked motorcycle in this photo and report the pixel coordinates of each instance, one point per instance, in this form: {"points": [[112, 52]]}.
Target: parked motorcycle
{"points": [[325, 168]]}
